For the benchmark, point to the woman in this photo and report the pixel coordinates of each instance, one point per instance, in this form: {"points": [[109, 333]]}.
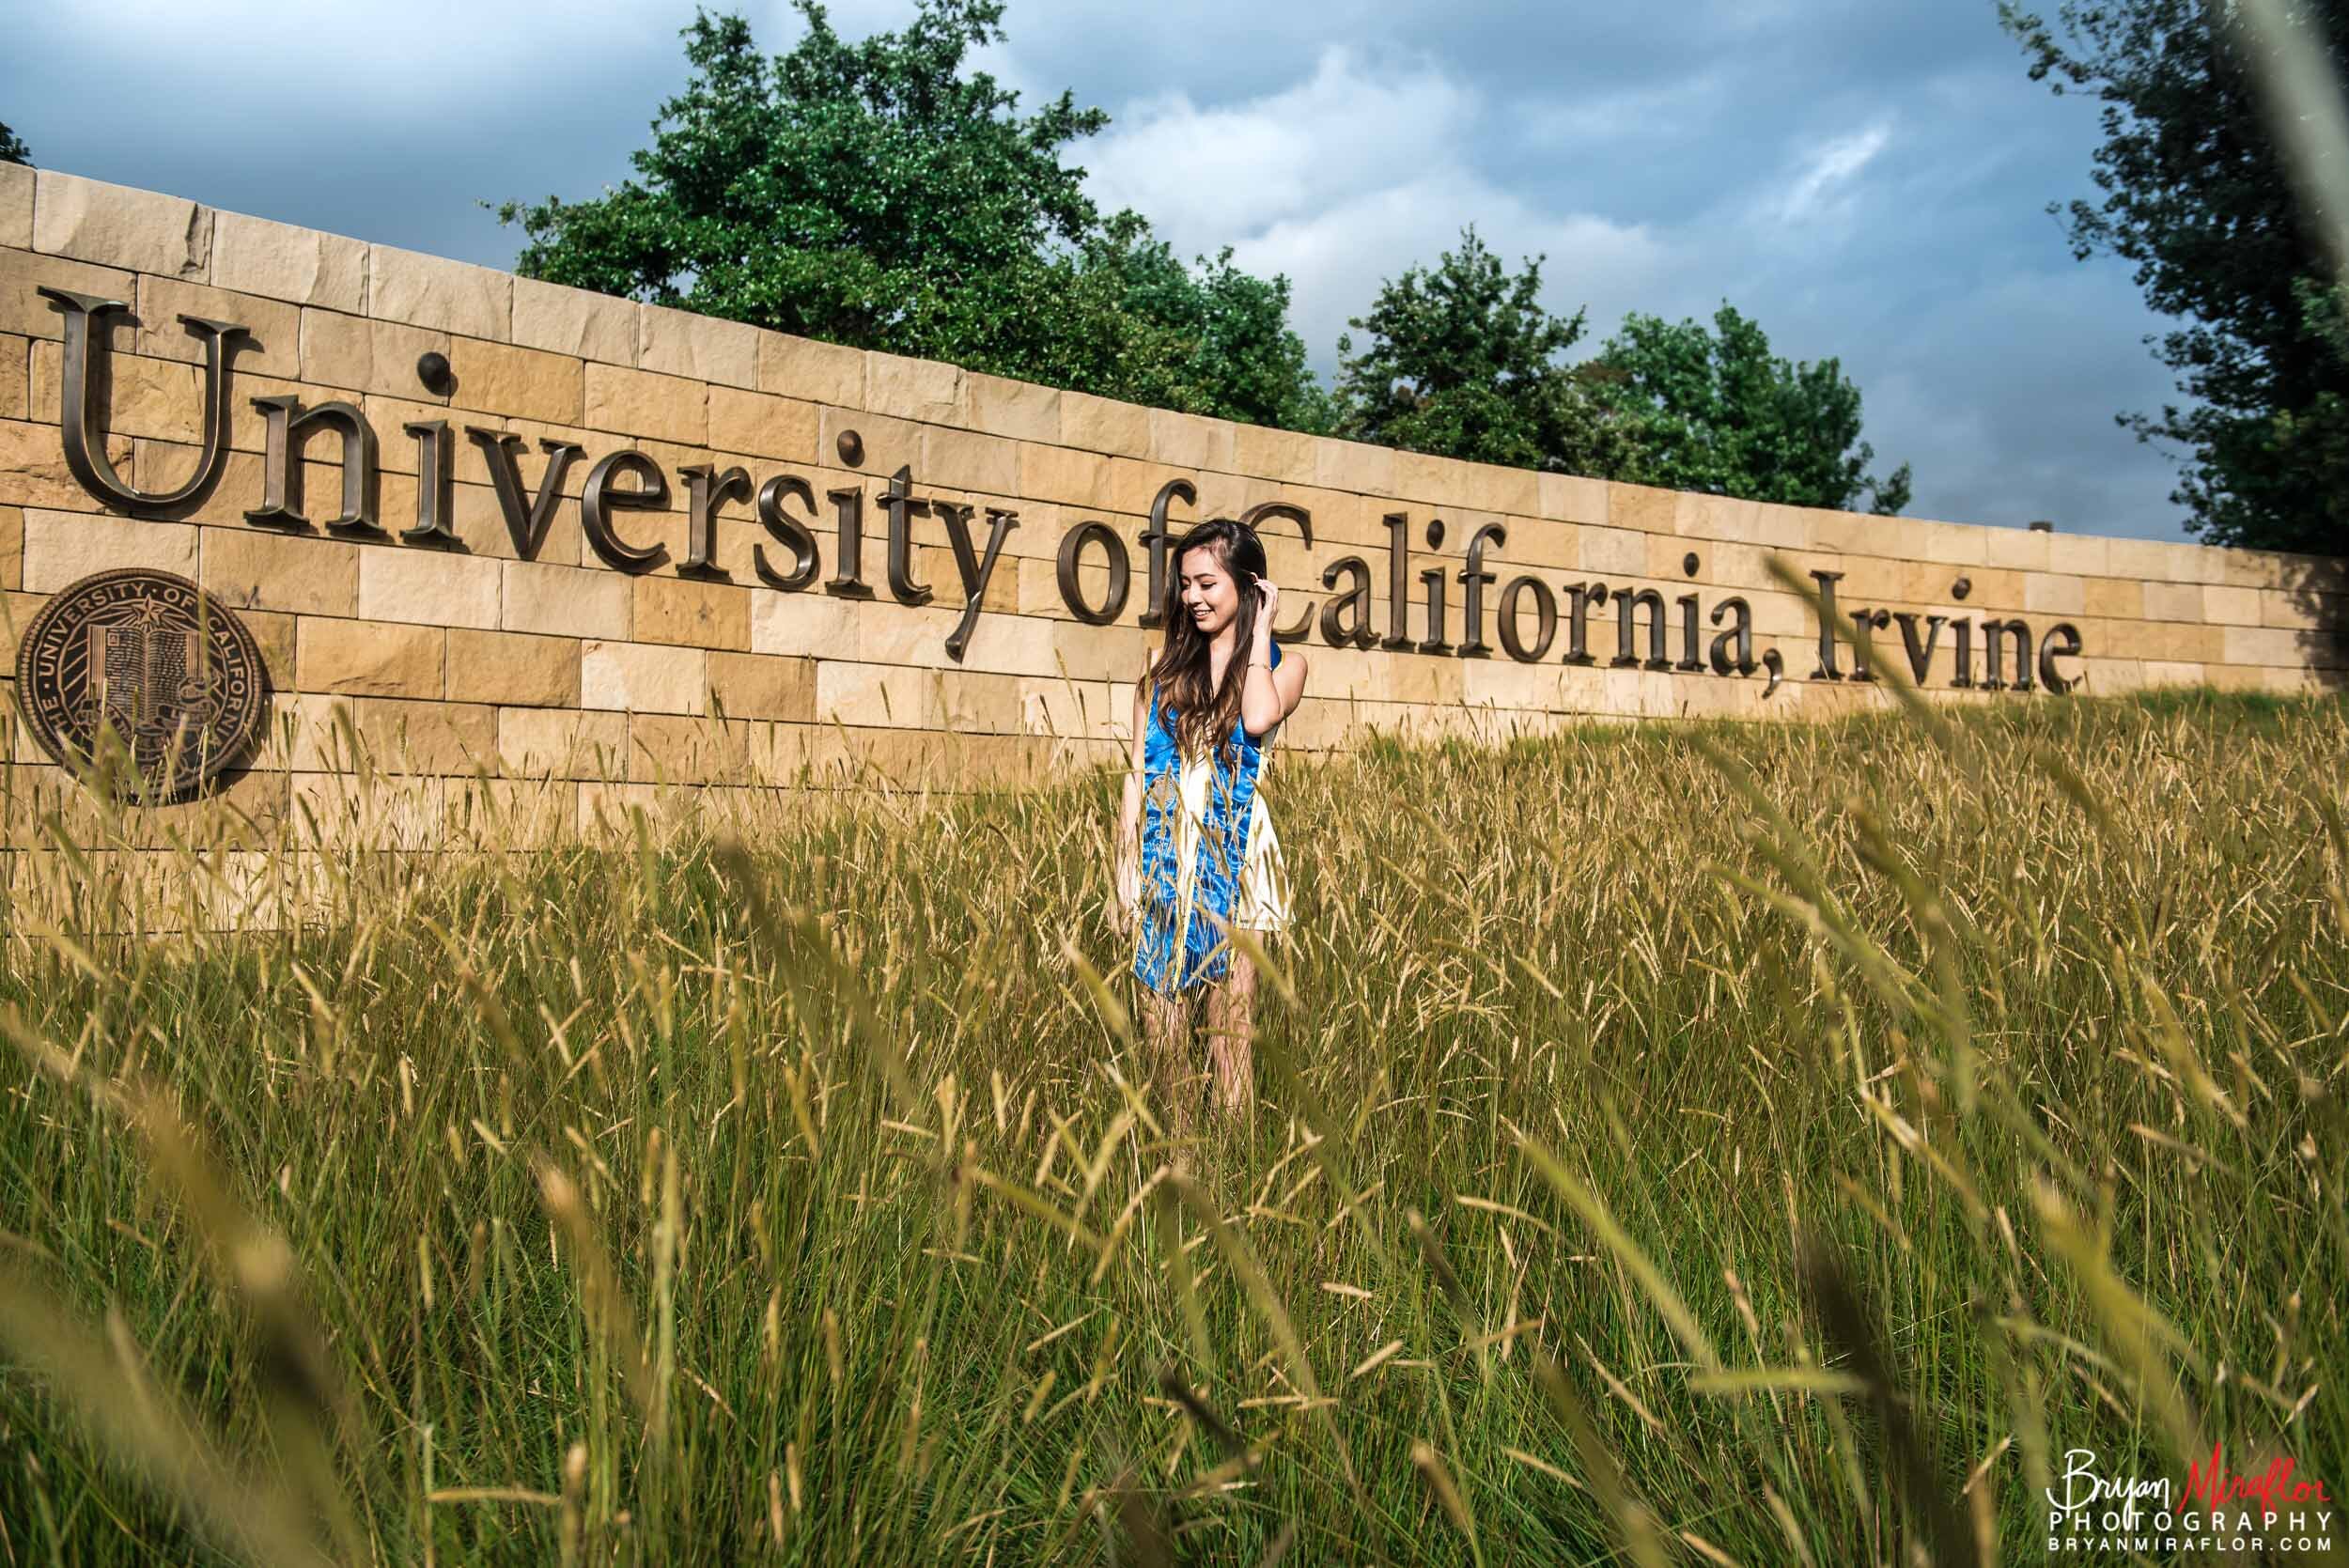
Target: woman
{"points": [[1196, 851]]}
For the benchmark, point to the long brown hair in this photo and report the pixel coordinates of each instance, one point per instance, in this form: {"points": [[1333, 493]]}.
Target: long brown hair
{"points": [[1182, 670]]}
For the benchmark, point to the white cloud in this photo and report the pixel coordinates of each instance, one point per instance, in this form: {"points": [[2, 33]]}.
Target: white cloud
{"points": [[1345, 178], [1821, 192]]}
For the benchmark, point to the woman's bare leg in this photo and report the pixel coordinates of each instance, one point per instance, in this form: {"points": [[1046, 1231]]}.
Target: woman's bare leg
{"points": [[1166, 1039], [1231, 1038]]}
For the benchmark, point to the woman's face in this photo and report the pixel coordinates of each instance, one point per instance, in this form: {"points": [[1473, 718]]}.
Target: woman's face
{"points": [[1210, 596]]}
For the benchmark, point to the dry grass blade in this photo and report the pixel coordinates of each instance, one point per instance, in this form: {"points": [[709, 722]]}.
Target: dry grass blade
{"points": [[1613, 1236], [151, 1432], [1851, 1332]]}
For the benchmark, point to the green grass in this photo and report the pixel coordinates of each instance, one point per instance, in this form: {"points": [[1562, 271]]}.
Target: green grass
{"points": [[660, 1203]]}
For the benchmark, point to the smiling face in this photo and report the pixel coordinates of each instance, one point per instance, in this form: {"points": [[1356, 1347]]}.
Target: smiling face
{"points": [[1210, 594]]}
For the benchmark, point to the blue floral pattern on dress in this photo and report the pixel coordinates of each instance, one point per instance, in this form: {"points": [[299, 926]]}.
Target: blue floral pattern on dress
{"points": [[1175, 946]]}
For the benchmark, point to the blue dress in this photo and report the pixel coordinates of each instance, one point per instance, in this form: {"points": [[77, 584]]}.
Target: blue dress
{"points": [[1209, 858]]}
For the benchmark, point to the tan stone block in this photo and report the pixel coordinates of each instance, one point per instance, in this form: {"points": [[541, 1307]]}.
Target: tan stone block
{"points": [[2202, 642], [255, 255], [154, 398], [523, 384], [575, 323], [975, 701], [272, 344], [1353, 465], [2047, 593], [510, 669], [372, 658], [399, 734], [2080, 554], [1954, 544], [2298, 611], [962, 460], [562, 743], [16, 395], [1129, 486], [889, 444], [809, 622], [2259, 644], [566, 601], [701, 348], [251, 569], [277, 636], [62, 548], [2112, 597], [435, 587], [917, 389], [23, 311], [645, 403], [478, 517], [2146, 558], [1283, 456], [11, 547], [2172, 602], [670, 749], [16, 206], [2231, 606], [510, 813], [1607, 552], [877, 694], [1090, 423], [116, 225], [759, 686], [1849, 533], [761, 425], [1191, 440], [1063, 474], [1497, 488], [1020, 411], [1988, 590], [363, 355], [2023, 549], [810, 370], [1642, 507], [1726, 519], [1570, 498], [641, 678], [691, 614], [431, 291], [1437, 483]]}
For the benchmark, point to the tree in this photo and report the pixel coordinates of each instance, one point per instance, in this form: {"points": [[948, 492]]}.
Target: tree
{"points": [[12, 147], [879, 194], [1720, 414], [2198, 195], [1463, 361]]}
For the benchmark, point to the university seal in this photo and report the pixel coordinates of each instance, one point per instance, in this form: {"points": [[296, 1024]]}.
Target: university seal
{"points": [[154, 659]]}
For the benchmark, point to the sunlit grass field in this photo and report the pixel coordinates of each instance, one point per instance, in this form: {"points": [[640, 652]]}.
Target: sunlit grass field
{"points": [[1763, 1144]]}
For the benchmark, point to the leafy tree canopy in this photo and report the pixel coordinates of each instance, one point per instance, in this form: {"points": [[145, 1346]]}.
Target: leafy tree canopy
{"points": [[12, 147], [2198, 195], [878, 193], [1463, 361], [1715, 412]]}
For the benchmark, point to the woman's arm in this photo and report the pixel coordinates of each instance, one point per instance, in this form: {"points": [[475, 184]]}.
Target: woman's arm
{"points": [[1128, 887], [1268, 698]]}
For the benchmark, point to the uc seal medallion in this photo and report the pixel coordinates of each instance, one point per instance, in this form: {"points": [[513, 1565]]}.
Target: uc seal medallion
{"points": [[167, 667]]}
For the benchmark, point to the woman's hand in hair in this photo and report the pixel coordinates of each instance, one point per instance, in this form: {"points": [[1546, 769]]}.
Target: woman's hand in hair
{"points": [[1269, 599]]}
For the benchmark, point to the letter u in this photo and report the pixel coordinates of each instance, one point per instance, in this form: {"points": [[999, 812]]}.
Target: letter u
{"points": [[86, 458]]}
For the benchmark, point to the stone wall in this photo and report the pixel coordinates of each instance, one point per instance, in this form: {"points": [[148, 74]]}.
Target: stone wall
{"points": [[566, 683]]}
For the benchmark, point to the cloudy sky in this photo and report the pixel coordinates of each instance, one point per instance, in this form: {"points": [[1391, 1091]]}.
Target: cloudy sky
{"points": [[1868, 180]]}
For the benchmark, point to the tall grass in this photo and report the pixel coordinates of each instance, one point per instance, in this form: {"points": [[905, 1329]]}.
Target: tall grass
{"points": [[1762, 1144]]}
